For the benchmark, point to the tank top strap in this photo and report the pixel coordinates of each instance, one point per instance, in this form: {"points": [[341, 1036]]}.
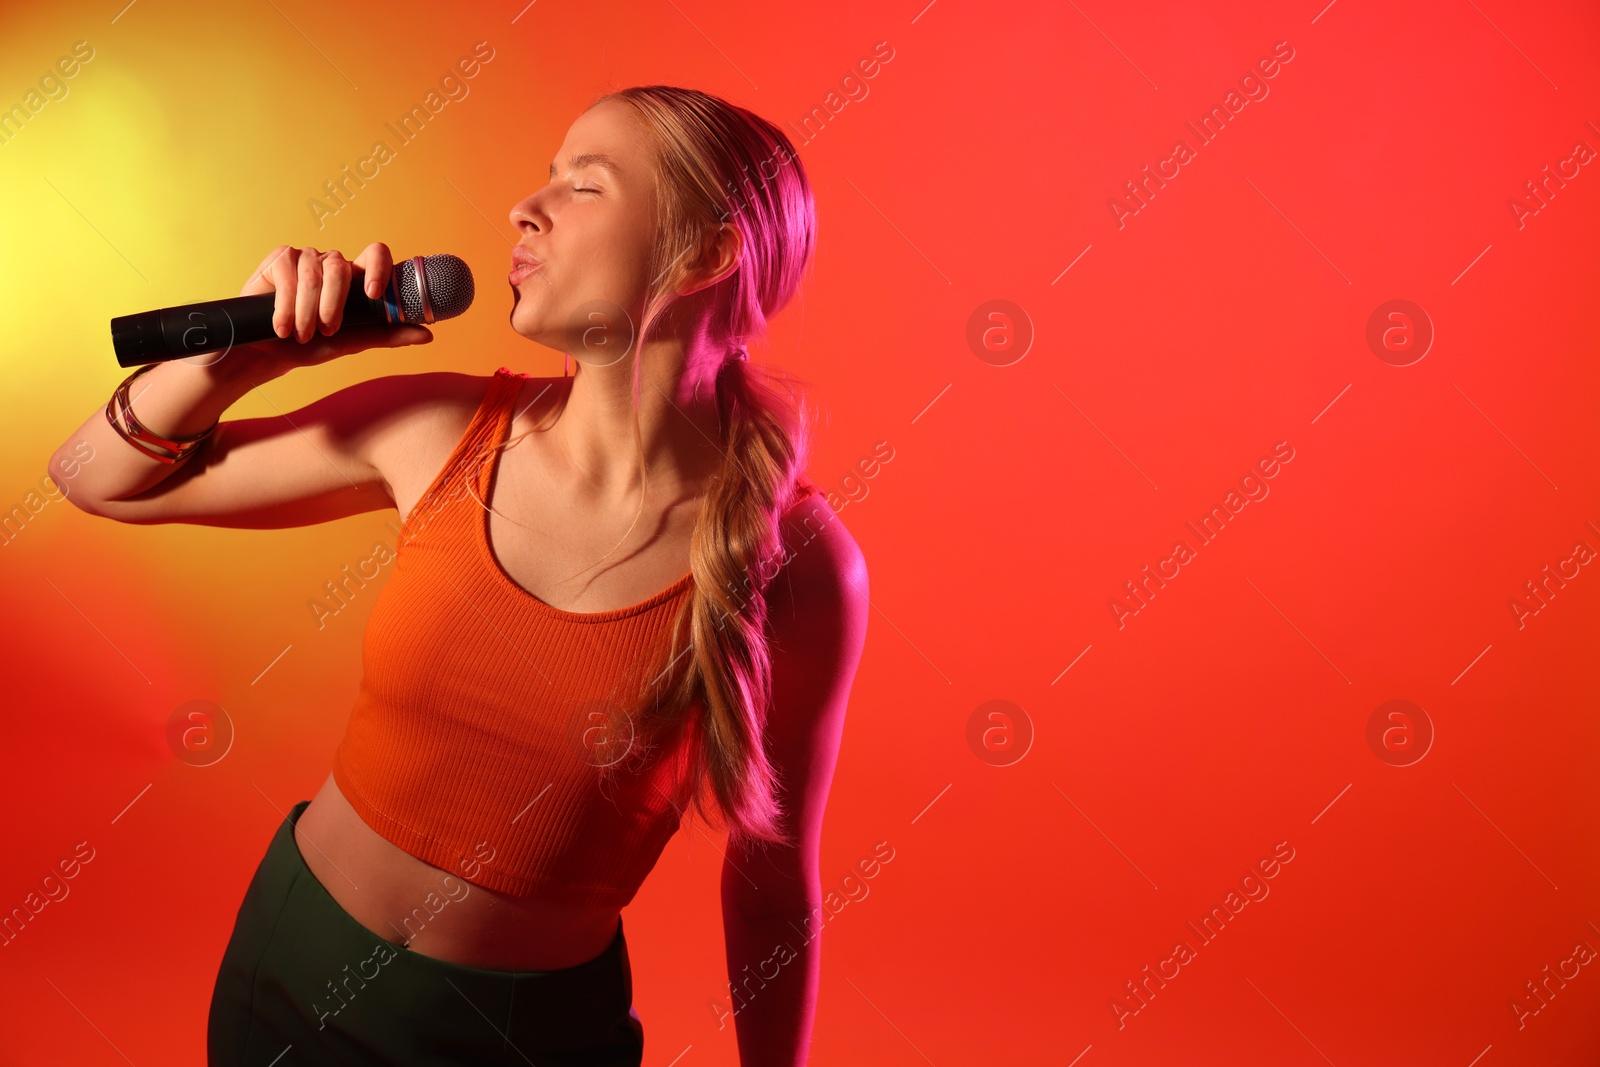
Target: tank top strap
{"points": [[473, 453], [493, 424]]}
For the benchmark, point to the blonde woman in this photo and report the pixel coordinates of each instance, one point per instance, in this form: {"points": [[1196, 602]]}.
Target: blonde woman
{"points": [[616, 602]]}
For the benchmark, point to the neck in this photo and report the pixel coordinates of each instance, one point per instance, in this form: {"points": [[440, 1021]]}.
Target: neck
{"points": [[677, 422]]}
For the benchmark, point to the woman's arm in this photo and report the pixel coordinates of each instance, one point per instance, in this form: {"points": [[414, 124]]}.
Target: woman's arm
{"points": [[311, 466], [333, 458], [772, 899], [175, 399]]}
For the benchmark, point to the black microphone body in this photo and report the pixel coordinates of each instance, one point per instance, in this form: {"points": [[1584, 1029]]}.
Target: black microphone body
{"points": [[422, 289]]}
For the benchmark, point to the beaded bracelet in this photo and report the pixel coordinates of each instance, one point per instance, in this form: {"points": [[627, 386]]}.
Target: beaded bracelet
{"points": [[139, 436]]}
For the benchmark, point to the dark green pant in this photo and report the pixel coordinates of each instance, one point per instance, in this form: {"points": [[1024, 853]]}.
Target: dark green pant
{"points": [[302, 983]]}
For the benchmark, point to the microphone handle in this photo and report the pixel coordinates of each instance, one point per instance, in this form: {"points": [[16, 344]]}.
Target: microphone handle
{"points": [[218, 325]]}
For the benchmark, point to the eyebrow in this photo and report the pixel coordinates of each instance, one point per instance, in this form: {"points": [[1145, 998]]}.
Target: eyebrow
{"points": [[590, 159]]}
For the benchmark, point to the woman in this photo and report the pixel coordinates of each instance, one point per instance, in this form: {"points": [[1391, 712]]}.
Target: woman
{"points": [[546, 691]]}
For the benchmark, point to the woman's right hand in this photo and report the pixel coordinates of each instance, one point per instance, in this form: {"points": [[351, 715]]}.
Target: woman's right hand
{"points": [[311, 288]]}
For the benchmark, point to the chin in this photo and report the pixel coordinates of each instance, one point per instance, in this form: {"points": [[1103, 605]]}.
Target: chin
{"points": [[523, 322]]}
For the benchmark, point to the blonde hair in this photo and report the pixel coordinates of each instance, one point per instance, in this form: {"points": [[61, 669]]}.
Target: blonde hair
{"points": [[718, 164]]}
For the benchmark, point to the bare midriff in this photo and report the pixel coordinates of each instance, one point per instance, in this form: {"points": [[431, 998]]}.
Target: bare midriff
{"points": [[383, 888]]}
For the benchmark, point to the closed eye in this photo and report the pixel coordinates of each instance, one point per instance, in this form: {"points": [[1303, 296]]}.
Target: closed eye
{"points": [[585, 190]]}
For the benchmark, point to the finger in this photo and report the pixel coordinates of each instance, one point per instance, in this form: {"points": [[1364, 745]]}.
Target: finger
{"points": [[260, 281], [284, 278], [376, 264], [309, 296], [361, 338], [399, 336], [335, 287]]}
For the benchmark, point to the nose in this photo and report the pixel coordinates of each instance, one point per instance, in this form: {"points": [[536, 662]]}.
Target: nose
{"points": [[526, 216]]}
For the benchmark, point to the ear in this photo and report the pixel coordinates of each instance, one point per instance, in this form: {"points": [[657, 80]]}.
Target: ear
{"points": [[721, 256]]}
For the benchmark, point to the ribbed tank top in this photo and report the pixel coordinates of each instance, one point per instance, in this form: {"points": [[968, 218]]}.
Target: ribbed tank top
{"points": [[472, 742]]}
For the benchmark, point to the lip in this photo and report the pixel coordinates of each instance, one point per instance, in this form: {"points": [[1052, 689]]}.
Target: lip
{"points": [[523, 264]]}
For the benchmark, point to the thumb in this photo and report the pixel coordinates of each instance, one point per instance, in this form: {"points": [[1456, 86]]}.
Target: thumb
{"points": [[411, 335]]}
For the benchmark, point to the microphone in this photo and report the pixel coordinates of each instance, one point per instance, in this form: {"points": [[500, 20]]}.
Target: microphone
{"points": [[422, 289]]}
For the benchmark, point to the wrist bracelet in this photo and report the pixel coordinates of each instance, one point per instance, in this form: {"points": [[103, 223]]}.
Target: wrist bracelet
{"points": [[142, 438]]}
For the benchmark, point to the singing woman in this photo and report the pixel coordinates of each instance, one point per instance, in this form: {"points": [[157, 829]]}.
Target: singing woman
{"points": [[617, 604]]}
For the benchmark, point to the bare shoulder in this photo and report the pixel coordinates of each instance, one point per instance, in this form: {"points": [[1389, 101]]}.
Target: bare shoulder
{"points": [[417, 419], [419, 399], [430, 412], [817, 613], [824, 573]]}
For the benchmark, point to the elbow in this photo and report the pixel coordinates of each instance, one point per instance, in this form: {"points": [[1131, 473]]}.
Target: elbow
{"points": [[74, 474], [98, 509], [84, 502], [62, 472], [56, 485], [130, 514]]}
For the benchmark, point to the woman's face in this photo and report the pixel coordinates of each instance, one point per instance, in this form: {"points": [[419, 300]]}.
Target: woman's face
{"points": [[591, 230]]}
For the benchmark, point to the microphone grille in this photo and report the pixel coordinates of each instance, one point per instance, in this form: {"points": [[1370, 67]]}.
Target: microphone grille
{"points": [[450, 288]]}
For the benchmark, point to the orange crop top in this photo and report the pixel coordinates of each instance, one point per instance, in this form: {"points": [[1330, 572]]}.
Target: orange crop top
{"points": [[466, 743]]}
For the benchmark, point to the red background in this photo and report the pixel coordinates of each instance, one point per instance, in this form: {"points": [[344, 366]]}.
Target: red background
{"points": [[1229, 314]]}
